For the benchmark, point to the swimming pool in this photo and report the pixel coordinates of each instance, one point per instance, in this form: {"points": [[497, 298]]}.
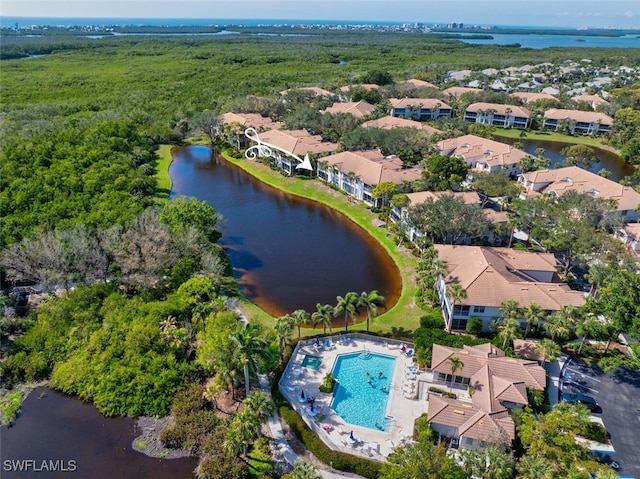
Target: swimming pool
{"points": [[364, 380], [312, 362]]}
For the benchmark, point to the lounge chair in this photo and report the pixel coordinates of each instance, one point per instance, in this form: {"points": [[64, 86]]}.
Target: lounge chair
{"points": [[391, 445]]}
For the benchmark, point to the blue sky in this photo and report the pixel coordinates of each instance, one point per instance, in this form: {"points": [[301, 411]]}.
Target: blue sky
{"points": [[557, 13]]}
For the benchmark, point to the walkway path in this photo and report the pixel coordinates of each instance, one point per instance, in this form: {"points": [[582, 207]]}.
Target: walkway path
{"points": [[281, 443], [554, 369]]}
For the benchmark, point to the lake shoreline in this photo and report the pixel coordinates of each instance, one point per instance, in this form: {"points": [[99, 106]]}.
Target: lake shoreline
{"points": [[149, 443], [403, 260]]}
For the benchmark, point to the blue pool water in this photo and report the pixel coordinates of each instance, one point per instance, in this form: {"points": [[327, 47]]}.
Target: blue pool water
{"points": [[312, 362], [359, 398]]}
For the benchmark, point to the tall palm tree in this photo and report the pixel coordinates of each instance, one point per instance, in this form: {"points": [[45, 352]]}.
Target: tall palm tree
{"points": [[561, 323], [283, 328], [510, 309], [455, 364], [508, 330], [226, 373], [440, 269], [548, 349], [586, 327], [347, 304], [534, 314], [249, 348], [457, 293], [323, 314], [299, 317], [370, 302]]}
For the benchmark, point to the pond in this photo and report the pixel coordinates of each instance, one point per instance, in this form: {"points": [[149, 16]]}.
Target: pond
{"points": [[287, 253], [74, 438], [606, 159]]}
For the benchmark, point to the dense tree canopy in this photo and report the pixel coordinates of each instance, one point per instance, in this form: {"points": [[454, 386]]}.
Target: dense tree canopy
{"points": [[97, 172], [444, 172], [448, 219]]}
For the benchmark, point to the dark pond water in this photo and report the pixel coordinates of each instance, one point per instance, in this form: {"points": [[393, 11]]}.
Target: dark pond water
{"points": [[287, 253], [74, 436], [610, 161]]}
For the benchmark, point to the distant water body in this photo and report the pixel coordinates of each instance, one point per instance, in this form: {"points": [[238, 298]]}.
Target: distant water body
{"points": [[532, 40], [538, 41]]}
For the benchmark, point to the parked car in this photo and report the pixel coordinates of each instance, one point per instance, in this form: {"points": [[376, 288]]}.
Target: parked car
{"points": [[580, 399]]}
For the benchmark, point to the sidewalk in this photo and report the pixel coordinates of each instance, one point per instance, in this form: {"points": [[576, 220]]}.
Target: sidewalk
{"points": [[554, 369], [281, 444]]}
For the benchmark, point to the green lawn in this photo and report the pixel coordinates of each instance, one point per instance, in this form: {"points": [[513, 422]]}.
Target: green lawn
{"points": [[552, 136], [163, 186]]}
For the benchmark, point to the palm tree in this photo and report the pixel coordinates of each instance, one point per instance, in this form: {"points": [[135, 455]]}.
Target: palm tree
{"points": [[606, 473], [349, 306], [226, 373], [535, 467], [498, 464], [561, 323], [510, 310], [249, 347], [534, 314], [299, 317], [323, 314], [508, 330], [440, 267], [585, 328], [455, 364], [261, 406], [457, 293], [370, 302], [283, 328], [549, 350], [241, 432], [304, 470]]}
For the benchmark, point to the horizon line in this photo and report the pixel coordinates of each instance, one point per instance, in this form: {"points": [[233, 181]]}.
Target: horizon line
{"points": [[309, 20]]}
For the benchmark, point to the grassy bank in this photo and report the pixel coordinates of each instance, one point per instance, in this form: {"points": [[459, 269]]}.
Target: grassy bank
{"points": [[404, 316], [163, 180], [553, 137]]}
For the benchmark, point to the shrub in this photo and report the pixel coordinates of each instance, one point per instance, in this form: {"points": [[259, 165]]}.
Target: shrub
{"points": [[538, 400], [594, 432], [339, 460], [474, 325], [10, 406], [328, 383], [442, 392]]}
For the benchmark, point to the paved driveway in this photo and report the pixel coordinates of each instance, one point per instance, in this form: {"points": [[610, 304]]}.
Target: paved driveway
{"points": [[618, 394]]}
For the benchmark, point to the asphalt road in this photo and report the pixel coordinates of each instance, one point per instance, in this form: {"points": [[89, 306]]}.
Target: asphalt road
{"points": [[618, 395]]}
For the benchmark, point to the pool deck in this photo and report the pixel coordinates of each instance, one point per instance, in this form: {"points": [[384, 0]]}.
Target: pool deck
{"points": [[402, 407]]}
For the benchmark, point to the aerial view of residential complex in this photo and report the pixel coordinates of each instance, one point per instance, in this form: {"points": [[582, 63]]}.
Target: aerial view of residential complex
{"points": [[318, 249]]}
